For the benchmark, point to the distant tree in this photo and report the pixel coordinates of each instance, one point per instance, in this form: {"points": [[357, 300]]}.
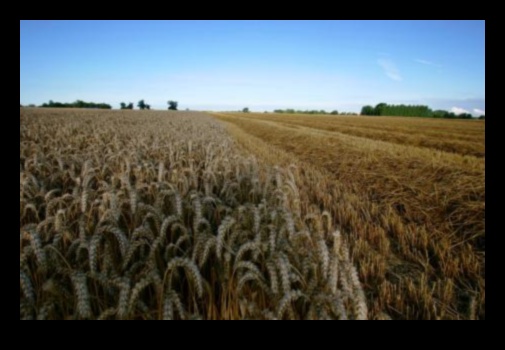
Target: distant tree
{"points": [[335, 112], [130, 105], [402, 110], [367, 110], [148, 106], [380, 109], [122, 105], [465, 116], [20, 105], [172, 105], [141, 104], [439, 113], [32, 105], [245, 110], [77, 104], [482, 117]]}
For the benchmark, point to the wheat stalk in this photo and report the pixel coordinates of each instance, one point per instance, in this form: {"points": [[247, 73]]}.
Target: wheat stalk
{"points": [[26, 287], [227, 223], [286, 299], [192, 272], [36, 244], [124, 294], [137, 289], [81, 289]]}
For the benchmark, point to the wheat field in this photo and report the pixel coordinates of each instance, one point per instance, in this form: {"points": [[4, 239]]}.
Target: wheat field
{"points": [[183, 215], [409, 193], [162, 215]]}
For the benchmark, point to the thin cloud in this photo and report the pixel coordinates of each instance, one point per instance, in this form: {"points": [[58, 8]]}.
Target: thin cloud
{"points": [[479, 111], [428, 63], [458, 110], [390, 68]]}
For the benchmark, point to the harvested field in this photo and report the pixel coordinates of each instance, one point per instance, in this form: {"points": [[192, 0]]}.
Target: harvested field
{"points": [[457, 136], [413, 210]]}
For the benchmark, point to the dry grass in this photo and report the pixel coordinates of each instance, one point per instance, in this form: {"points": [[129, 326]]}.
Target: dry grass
{"points": [[414, 212], [464, 137], [158, 215]]}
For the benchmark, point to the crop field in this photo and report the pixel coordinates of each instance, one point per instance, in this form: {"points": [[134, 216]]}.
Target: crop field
{"points": [[408, 193], [183, 215], [159, 215]]}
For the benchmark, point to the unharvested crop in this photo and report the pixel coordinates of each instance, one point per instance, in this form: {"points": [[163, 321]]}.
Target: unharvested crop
{"points": [[158, 215]]}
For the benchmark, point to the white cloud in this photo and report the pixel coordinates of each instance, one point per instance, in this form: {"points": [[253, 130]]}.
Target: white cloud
{"points": [[390, 68], [479, 111], [428, 63], [458, 110]]}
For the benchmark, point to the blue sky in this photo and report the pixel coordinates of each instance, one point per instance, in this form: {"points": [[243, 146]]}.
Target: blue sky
{"points": [[263, 65]]}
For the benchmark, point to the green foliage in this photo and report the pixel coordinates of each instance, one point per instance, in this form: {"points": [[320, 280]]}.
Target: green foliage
{"points": [[245, 110], [292, 111], [126, 106], [482, 117], [439, 113], [465, 116], [142, 105], [76, 104], [402, 110], [451, 115], [367, 110], [335, 112], [172, 105], [383, 109]]}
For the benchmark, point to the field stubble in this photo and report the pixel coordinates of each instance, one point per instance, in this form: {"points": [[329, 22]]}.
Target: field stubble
{"points": [[413, 210]]}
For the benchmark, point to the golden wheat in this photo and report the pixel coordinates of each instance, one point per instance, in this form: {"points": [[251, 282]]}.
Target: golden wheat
{"points": [[126, 215], [409, 193]]}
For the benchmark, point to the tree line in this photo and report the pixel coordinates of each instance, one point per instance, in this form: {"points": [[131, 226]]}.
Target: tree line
{"points": [[172, 105], [76, 104], [313, 111], [384, 109]]}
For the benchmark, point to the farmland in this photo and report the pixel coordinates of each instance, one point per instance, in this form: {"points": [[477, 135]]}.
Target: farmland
{"points": [[182, 215], [408, 192], [158, 215]]}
